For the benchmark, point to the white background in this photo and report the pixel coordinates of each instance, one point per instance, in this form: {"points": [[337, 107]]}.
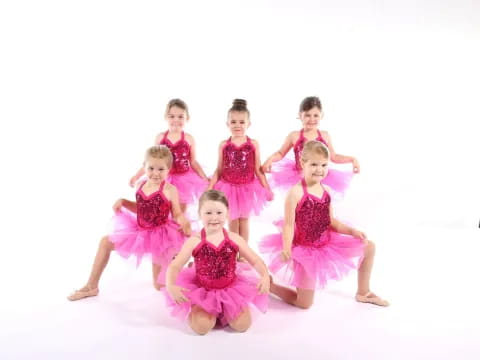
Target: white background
{"points": [[83, 87]]}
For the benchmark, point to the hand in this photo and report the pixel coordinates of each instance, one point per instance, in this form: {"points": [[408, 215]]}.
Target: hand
{"points": [[132, 181], [359, 234], [185, 228], [267, 166], [356, 166], [286, 254], [269, 195], [118, 205], [264, 284], [177, 293]]}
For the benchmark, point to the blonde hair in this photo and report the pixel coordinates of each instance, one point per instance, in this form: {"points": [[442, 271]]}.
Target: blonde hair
{"points": [[160, 152], [178, 103], [212, 195], [314, 147]]}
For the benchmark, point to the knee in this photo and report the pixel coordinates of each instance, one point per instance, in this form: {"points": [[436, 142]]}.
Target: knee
{"points": [[106, 244], [242, 324], [201, 324], [370, 248], [304, 304]]}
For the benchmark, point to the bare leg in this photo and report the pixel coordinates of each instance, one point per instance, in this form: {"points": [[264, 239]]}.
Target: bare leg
{"points": [[364, 272], [302, 298], [234, 226], [200, 321], [101, 260], [242, 322], [243, 228], [183, 208], [155, 271]]}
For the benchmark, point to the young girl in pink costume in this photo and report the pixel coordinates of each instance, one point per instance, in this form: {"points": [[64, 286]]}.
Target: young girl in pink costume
{"points": [[217, 286], [288, 172], [186, 173], [315, 247], [150, 231], [238, 173]]}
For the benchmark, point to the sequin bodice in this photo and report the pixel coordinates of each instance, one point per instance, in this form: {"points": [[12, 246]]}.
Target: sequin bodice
{"points": [[180, 152], [312, 218], [152, 210], [215, 266], [298, 147], [238, 165]]}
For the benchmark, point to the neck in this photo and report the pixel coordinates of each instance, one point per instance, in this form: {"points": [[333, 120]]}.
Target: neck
{"points": [[311, 182], [239, 137], [210, 232], [175, 131]]}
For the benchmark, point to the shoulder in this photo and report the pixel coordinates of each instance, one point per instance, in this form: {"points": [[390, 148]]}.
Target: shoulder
{"points": [[193, 241], [170, 190], [296, 192], [255, 143], [293, 136], [189, 138], [235, 237], [328, 189], [222, 143], [159, 137], [325, 134]]}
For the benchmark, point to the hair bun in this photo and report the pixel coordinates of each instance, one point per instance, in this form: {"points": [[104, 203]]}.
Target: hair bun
{"points": [[240, 102]]}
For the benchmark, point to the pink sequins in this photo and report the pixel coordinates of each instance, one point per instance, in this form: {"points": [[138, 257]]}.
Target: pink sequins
{"points": [[180, 152], [312, 218], [152, 210], [238, 162], [215, 266], [298, 147]]}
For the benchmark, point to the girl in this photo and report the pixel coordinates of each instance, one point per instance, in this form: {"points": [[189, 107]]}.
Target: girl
{"points": [[216, 287], [315, 246], [238, 173], [186, 173], [150, 231], [288, 172]]}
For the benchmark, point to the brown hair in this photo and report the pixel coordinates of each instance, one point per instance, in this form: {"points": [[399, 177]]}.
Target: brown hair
{"points": [[178, 103], [239, 105], [314, 147], [309, 103], [160, 152], [213, 195]]}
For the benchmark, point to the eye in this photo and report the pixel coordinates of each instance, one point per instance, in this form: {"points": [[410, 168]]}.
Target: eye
{"points": [[208, 213], [219, 213], [324, 165], [150, 168]]}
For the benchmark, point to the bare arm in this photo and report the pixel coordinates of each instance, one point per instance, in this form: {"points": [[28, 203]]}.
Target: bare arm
{"points": [[176, 292], [338, 158], [258, 170], [177, 213], [291, 202], [254, 260], [193, 159], [218, 170], [280, 154], [127, 204]]}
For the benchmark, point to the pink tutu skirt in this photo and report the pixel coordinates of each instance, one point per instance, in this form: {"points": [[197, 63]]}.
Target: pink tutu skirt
{"points": [[312, 267], [285, 174], [162, 243], [225, 304], [244, 200], [189, 185]]}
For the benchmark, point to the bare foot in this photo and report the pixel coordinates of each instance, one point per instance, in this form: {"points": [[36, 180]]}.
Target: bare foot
{"points": [[84, 292], [371, 298]]}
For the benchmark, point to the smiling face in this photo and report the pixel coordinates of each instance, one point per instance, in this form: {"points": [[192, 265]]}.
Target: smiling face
{"points": [[311, 118], [156, 169], [315, 168], [176, 118], [238, 122], [213, 214]]}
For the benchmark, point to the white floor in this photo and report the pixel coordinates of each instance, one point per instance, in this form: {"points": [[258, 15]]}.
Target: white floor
{"points": [[428, 274]]}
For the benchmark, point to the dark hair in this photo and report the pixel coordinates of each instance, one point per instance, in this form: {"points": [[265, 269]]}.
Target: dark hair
{"points": [[213, 195], [239, 105], [178, 103], [309, 103]]}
